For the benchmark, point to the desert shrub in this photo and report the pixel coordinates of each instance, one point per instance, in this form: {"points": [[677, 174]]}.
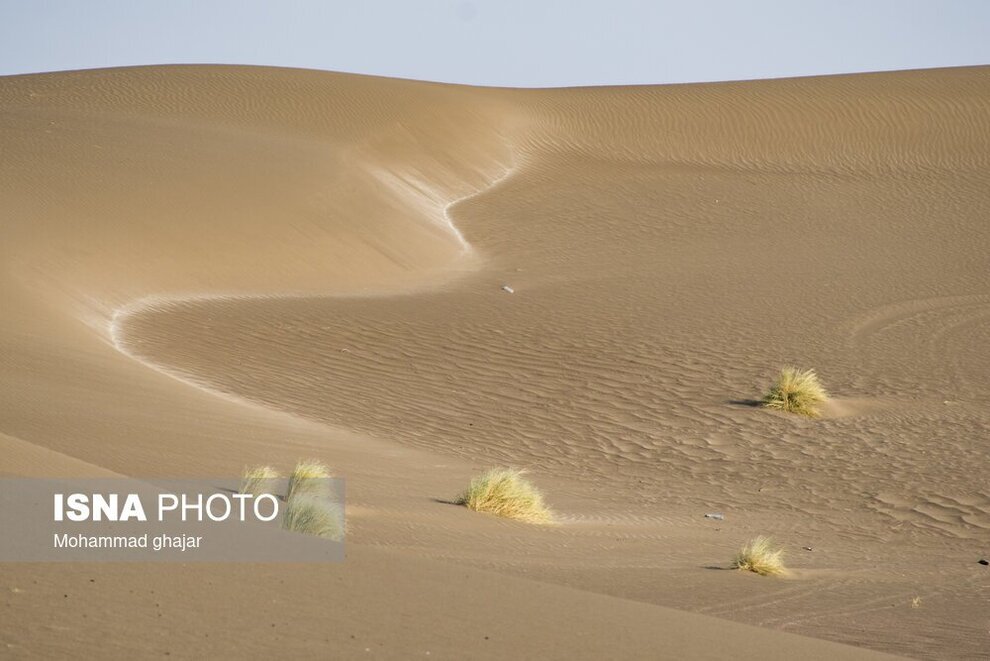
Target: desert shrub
{"points": [[259, 480], [314, 515], [796, 391], [309, 478], [505, 492], [760, 557]]}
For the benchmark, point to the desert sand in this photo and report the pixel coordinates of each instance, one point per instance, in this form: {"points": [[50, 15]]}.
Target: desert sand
{"points": [[206, 267]]}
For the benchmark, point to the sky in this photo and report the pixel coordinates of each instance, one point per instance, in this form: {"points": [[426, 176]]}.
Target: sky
{"points": [[515, 43]]}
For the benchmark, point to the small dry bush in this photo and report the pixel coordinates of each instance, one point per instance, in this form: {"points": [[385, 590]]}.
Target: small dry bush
{"points": [[309, 478], [259, 480], [760, 557], [314, 515], [796, 391], [504, 492]]}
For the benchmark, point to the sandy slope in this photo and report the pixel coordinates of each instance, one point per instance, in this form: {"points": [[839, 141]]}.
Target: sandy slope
{"points": [[212, 266]]}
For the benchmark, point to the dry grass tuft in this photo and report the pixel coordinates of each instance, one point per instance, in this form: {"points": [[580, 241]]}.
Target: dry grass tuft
{"points": [[314, 515], [796, 391], [259, 480], [761, 558], [504, 492], [309, 478]]}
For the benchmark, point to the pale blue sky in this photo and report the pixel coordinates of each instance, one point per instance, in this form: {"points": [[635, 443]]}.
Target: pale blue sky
{"points": [[527, 43]]}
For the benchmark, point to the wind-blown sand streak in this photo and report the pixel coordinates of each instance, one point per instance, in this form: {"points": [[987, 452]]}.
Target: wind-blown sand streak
{"points": [[321, 256]]}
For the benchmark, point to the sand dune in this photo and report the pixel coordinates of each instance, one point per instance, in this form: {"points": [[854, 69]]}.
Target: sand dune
{"points": [[208, 267]]}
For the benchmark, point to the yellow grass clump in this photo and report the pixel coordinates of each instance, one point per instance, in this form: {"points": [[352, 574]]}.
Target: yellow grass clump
{"points": [[760, 557], [310, 477], [314, 515], [259, 480], [504, 492], [796, 391]]}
